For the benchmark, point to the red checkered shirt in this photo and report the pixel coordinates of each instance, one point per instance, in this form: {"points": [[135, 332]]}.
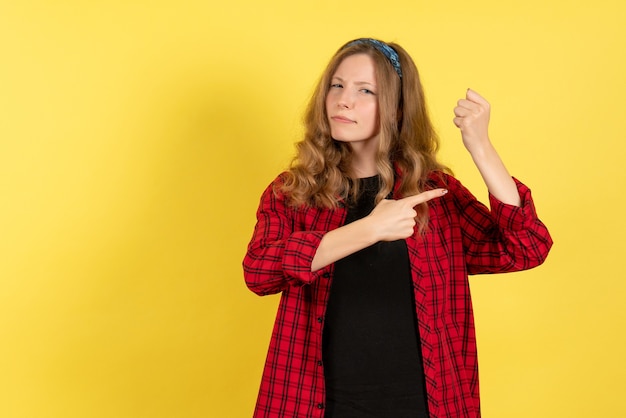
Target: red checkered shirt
{"points": [[463, 237]]}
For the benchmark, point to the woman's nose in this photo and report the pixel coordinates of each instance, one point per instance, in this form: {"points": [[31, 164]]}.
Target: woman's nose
{"points": [[344, 100]]}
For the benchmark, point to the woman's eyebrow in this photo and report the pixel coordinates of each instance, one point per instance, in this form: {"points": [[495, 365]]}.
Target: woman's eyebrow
{"points": [[360, 83]]}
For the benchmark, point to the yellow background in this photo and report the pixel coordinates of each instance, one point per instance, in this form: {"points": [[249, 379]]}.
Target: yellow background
{"points": [[137, 136]]}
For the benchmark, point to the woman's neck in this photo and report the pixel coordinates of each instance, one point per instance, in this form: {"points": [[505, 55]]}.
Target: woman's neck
{"points": [[361, 172], [364, 161]]}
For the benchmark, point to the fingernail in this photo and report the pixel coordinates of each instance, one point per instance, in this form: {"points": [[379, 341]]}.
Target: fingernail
{"points": [[444, 191]]}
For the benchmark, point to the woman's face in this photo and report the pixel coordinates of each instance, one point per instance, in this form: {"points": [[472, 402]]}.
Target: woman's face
{"points": [[351, 103]]}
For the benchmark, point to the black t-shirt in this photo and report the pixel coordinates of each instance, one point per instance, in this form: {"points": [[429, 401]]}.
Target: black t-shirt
{"points": [[371, 348]]}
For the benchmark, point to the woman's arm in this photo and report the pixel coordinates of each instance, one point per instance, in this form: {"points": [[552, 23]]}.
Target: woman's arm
{"points": [[505, 238], [510, 237], [389, 221], [279, 255], [472, 118]]}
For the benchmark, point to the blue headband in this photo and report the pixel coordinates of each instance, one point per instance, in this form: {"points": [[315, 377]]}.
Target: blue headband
{"points": [[387, 51]]}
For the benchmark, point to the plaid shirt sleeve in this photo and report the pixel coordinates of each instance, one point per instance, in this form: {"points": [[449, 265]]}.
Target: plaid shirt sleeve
{"points": [[278, 255], [503, 239]]}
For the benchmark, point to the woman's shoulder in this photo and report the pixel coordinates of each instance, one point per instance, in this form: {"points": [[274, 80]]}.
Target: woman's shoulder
{"points": [[274, 188], [280, 179]]}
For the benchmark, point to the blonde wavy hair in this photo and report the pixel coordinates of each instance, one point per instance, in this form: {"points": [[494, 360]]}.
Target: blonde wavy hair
{"points": [[321, 175]]}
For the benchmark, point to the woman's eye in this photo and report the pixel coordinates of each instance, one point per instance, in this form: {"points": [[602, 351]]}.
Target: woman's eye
{"points": [[336, 86], [367, 91]]}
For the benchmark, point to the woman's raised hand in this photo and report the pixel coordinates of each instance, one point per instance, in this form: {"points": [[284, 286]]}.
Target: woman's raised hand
{"points": [[472, 118], [395, 219]]}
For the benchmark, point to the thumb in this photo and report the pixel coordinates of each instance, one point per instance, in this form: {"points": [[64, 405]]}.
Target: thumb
{"points": [[424, 196]]}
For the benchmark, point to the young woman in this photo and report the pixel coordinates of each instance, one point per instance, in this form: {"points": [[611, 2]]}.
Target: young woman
{"points": [[371, 240]]}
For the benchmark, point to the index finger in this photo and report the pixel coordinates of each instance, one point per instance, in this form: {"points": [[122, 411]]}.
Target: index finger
{"points": [[424, 196]]}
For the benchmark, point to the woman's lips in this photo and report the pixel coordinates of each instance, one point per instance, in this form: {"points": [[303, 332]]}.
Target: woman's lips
{"points": [[342, 119]]}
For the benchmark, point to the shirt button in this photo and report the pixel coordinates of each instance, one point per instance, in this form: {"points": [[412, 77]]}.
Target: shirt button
{"points": [[326, 275], [320, 405], [319, 362], [320, 319]]}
